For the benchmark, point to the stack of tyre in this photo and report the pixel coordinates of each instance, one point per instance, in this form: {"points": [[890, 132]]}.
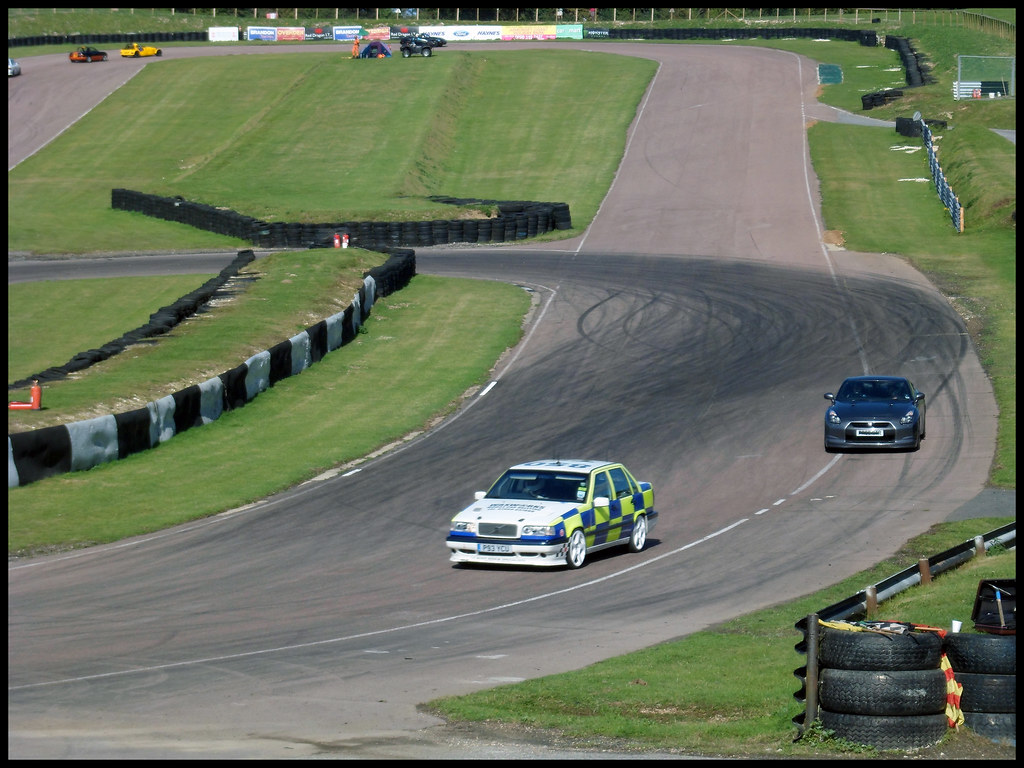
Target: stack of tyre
{"points": [[986, 666], [882, 689]]}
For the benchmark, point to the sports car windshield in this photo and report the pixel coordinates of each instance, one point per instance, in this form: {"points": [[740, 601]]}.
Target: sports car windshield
{"points": [[873, 391], [546, 486]]}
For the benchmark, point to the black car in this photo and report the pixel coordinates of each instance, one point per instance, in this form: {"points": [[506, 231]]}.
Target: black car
{"points": [[875, 412], [421, 44]]}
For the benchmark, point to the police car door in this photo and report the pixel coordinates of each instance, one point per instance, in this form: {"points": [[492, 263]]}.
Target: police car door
{"points": [[602, 487], [622, 508]]}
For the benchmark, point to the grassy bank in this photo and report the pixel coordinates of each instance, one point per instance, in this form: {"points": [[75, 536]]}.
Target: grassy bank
{"points": [[423, 348], [728, 691]]}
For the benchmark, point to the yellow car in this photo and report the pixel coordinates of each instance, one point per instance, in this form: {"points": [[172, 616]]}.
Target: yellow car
{"points": [[135, 50]]}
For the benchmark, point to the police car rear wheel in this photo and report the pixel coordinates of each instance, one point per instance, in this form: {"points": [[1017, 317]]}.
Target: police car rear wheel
{"points": [[576, 552], [638, 538]]}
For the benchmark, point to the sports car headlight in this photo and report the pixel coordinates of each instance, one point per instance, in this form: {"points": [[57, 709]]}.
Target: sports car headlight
{"points": [[908, 418], [464, 526], [538, 530], [832, 417]]}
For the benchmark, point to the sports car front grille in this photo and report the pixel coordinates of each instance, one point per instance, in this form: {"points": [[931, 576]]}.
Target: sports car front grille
{"points": [[888, 432], [499, 530]]}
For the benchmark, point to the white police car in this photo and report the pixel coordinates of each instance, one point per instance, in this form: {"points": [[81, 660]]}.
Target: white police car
{"points": [[553, 512]]}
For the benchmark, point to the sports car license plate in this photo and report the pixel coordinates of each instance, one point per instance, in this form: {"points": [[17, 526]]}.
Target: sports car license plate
{"points": [[872, 432], [494, 549]]}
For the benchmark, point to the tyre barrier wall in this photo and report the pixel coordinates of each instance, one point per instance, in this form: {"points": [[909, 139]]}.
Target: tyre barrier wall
{"points": [[108, 39], [884, 690], [864, 37], [917, 73], [839, 700], [160, 322], [516, 220], [986, 666], [41, 453]]}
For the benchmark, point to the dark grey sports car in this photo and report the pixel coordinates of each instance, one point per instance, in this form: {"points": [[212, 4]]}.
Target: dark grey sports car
{"points": [[875, 412]]}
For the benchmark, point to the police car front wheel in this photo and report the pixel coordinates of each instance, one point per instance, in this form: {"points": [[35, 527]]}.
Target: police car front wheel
{"points": [[576, 552]]}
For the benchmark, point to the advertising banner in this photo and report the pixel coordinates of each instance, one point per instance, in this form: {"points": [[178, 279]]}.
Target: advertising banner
{"points": [[261, 33], [469, 33], [348, 33], [291, 33], [569, 31], [523, 32], [318, 33], [223, 34]]}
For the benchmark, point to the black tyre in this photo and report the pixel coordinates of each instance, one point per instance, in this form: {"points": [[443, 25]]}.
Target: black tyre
{"points": [[576, 551], [136, 54], [904, 692], [993, 725], [873, 651], [910, 732], [427, 52], [104, 57], [638, 538], [987, 654], [987, 693], [159, 53]]}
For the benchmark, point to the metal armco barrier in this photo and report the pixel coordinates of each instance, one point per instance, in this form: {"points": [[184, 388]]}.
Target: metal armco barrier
{"points": [[942, 188]]}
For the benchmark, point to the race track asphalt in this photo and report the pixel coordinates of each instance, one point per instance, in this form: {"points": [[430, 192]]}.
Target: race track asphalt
{"points": [[689, 332]]}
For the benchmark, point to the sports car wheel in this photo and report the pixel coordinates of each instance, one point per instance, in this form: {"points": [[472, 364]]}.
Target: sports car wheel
{"points": [[159, 53], [576, 552], [638, 538], [136, 54], [104, 57], [427, 52]]}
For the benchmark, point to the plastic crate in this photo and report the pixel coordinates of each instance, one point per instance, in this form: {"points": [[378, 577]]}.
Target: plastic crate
{"points": [[995, 607]]}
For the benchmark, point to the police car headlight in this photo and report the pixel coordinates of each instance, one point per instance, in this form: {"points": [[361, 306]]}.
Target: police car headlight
{"points": [[538, 530], [464, 526]]}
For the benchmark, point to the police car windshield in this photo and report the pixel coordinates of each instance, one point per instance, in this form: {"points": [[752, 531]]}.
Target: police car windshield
{"points": [[544, 486]]}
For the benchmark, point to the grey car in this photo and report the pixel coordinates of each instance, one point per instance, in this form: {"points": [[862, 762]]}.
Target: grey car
{"points": [[886, 412]]}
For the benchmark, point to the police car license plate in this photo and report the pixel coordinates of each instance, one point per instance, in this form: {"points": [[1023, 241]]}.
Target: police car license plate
{"points": [[494, 549], [872, 432]]}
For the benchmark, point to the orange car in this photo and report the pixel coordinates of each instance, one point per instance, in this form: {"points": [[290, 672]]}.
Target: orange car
{"points": [[85, 53]]}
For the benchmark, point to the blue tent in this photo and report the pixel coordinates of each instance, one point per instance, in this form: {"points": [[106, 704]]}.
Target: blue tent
{"points": [[374, 50]]}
